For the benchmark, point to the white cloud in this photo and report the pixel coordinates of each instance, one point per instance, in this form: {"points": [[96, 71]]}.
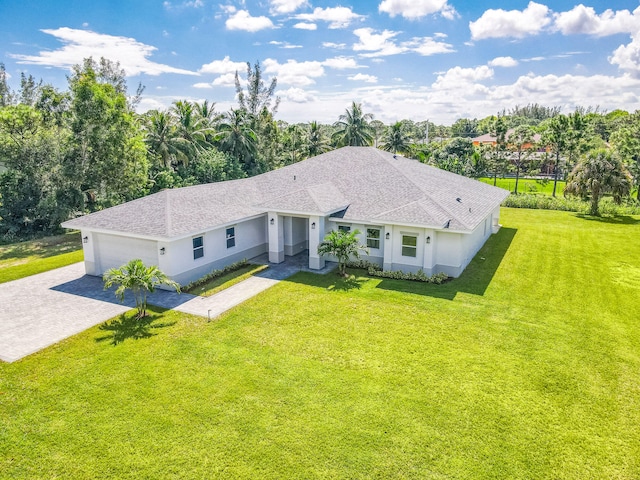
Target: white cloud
{"points": [[286, 6], [296, 95], [361, 77], [242, 20], [188, 4], [500, 23], [202, 85], [305, 26], [383, 44], [413, 9], [458, 77], [284, 44], [226, 80], [293, 72], [340, 63], [627, 57], [337, 17], [585, 20], [223, 66], [80, 44], [337, 46], [503, 62]]}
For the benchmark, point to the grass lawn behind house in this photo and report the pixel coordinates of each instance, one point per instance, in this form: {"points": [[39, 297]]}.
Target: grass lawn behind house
{"points": [[18, 260], [526, 367], [227, 280], [527, 185]]}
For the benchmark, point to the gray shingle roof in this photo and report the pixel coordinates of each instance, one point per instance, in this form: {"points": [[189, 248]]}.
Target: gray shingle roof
{"points": [[376, 186]]}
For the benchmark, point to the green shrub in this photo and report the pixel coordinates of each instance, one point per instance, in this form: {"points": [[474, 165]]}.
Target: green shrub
{"points": [[215, 274], [547, 202], [419, 276]]}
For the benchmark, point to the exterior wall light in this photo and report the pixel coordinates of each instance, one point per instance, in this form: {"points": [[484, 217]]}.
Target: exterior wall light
{"points": [[272, 222], [313, 226], [387, 236], [162, 251], [428, 239], [85, 239]]}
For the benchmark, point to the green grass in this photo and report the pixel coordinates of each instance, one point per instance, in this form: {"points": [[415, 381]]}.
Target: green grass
{"points": [[528, 366], [527, 185], [18, 260], [227, 280]]}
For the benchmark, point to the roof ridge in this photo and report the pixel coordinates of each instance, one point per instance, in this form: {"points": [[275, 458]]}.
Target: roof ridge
{"points": [[416, 184]]}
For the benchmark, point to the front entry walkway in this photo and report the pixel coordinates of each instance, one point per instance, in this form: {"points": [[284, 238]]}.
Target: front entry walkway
{"points": [[43, 309]]}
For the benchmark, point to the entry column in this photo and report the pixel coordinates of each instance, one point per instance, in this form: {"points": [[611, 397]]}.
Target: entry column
{"points": [[276, 237], [316, 235]]}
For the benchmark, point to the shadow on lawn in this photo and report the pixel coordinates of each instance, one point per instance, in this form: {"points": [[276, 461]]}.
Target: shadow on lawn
{"points": [[128, 326], [616, 219], [346, 284]]}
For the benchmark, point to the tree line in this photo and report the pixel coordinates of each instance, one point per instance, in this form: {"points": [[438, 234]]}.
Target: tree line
{"points": [[66, 153]]}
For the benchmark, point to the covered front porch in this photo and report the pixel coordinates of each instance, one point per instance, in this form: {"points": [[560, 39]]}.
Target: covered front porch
{"points": [[296, 236]]}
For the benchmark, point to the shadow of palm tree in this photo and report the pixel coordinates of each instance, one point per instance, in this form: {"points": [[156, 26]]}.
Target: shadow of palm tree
{"points": [[615, 219], [127, 326], [344, 284]]}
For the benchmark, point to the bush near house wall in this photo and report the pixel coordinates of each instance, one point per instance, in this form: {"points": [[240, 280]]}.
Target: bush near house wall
{"points": [[215, 274], [374, 270]]}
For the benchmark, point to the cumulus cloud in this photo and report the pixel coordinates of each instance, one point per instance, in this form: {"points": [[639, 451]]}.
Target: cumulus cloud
{"points": [[499, 23], [286, 6], [337, 17], [284, 44], [296, 95], [384, 44], [223, 66], [242, 20], [305, 26], [202, 85], [340, 63], [226, 80], [458, 77], [503, 62], [361, 77], [80, 44], [338, 46], [413, 9], [293, 72], [627, 57], [585, 20]]}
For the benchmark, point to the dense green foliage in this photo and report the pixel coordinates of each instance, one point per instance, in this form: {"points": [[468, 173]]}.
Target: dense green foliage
{"points": [[525, 367], [343, 245]]}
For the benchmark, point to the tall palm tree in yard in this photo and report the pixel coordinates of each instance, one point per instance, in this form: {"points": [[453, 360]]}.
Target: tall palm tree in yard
{"points": [[236, 137], [192, 127], [396, 139], [317, 141], [162, 139], [138, 278], [353, 128], [599, 172]]}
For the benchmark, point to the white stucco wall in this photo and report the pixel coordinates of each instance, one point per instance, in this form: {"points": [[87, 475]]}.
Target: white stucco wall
{"points": [[178, 261], [296, 235]]}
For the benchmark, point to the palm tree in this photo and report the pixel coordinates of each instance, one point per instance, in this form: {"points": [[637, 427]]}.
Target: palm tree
{"points": [[353, 128], [343, 245], [396, 139], [236, 137], [192, 127], [317, 141], [138, 278], [519, 142], [162, 140], [556, 138], [599, 172]]}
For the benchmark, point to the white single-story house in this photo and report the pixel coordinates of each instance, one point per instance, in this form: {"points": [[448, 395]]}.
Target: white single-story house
{"points": [[411, 217]]}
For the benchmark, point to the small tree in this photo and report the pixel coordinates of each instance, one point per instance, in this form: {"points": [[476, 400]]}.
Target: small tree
{"points": [[342, 245], [599, 172], [138, 278]]}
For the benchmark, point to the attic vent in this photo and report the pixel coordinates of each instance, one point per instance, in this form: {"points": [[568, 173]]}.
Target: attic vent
{"points": [[294, 177], [447, 224], [395, 156], [459, 200]]}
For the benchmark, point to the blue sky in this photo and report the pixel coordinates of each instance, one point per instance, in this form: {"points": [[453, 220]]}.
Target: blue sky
{"points": [[420, 59]]}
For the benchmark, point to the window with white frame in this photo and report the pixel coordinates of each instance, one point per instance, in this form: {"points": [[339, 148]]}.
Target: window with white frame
{"points": [[373, 238], [344, 228], [231, 237], [198, 247], [409, 245]]}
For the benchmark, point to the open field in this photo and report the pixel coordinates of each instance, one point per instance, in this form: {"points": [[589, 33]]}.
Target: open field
{"points": [[528, 366], [18, 260], [526, 185]]}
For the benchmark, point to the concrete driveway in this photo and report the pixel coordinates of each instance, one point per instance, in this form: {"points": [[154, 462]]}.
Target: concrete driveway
{"points": [[43, 309]]}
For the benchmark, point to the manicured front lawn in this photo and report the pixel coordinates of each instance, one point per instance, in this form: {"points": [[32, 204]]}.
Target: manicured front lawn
{"points": [[528, 366], [18, 260]]}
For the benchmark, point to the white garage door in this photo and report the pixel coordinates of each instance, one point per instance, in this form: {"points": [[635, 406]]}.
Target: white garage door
{"points": [[114, 251]]}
